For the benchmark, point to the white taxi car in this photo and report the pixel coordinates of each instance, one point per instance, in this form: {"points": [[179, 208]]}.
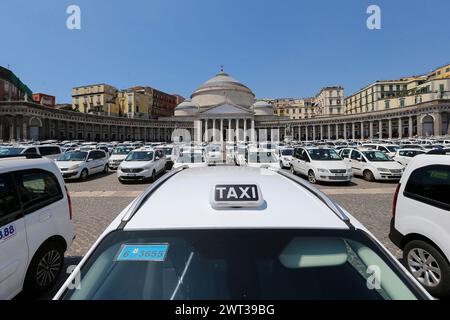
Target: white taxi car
{"points": [[372, 164], [81, 164], [236, 236], [320, 164], [142, 164], [118, 155], [421, 221], [404, 156], [284, 156], [35, 225], [258, 158]]}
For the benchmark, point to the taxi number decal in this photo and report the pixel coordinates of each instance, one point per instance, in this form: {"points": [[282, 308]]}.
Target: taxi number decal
{"points": [[147, 252], [7, 232], [247, 192]]}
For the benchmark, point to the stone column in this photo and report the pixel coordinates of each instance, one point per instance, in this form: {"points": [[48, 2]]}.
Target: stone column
{"points": [[314, 133], [237, 130], [245, 130], [229, 130], [380, 129], [25, 129], [353, 131], [306, 133], [390, 128], [437, 124], [221, 130], [206, 130], [400, 128], [337, 131], [329, 132], [345, 131], [321, 132], [362, 130], [410, 127], [253, 131], [371, 130], [214, 130]]}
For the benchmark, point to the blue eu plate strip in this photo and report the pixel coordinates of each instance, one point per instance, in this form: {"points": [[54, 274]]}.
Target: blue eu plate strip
{"points": [[146, 252]]}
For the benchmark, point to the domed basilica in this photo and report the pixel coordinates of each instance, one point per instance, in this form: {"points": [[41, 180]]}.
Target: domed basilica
{"points": [[223, 103]]}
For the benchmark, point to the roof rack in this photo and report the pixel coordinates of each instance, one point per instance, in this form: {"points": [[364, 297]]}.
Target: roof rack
{"points": [[144, 196], [319, 194], [27, 156]]}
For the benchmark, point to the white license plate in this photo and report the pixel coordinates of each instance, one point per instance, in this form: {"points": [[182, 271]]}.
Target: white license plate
{"points": [[131, 174], [340, 175]]}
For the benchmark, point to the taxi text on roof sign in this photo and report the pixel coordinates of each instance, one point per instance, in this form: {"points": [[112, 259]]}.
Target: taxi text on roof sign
{"points": [[236, 195]]}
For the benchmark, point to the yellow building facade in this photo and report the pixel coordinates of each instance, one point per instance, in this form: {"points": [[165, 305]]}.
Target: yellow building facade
{"points": [[96, 99]]}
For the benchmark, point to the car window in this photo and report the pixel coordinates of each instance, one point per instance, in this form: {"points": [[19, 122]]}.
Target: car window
{"points": [[37, 189], [430, 185], [48, 151], [100, 155], [355, 155], [30, 151], [345, 153], [9, 200], [91, 155], [239, 264]]}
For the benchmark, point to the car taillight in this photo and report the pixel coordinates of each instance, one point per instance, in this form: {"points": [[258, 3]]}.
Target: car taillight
{"points": [[69, 201], [394, 204]]}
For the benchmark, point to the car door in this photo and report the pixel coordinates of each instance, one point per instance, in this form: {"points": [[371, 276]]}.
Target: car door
{"points": [[302, 163], [356, 164], [13, 239], [296, 160], [102, 160], [92, 162]]}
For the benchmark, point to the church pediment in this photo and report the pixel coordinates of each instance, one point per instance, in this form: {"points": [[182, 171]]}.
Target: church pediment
{"points": [[225, 109]]}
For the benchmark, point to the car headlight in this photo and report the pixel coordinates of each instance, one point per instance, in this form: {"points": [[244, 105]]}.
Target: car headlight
{"points": [[349, 170], [383, 169], [323, 170]]}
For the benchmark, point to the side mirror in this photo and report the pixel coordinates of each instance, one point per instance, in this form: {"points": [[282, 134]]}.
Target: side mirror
{"points": [[359, 159]]}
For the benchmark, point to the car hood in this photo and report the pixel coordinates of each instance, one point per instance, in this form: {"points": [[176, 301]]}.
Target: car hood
{"points": [[68, 164], [135, 164], [118, 157], [339, 164]]}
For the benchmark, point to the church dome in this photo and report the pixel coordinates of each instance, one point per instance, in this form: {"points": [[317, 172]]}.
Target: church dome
{"points": [[186, 108], [223, 89], [263, 108]]}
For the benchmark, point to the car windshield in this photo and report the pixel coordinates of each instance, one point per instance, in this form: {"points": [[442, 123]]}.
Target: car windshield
{"points": [[73, 156], [323, 155], [261, 157], [140, 156], [191, 158], [166, 151], [122, 151], [287, 152], [376, 156], [393, 148], [10, 151], [240, 264]]}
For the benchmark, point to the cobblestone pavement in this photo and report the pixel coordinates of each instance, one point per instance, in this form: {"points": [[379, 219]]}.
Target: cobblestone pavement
{"points": [[99, 200]]}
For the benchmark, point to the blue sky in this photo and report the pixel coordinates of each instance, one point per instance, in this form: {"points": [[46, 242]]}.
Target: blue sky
{"points": [[284, 48]]}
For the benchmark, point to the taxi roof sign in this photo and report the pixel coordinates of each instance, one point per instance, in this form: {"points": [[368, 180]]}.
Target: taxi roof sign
{"points": [[242, 195]]}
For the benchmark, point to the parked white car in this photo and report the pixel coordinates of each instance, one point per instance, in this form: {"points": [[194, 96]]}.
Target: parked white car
{"points": [[241, 155], [194, 159], [35, 225], [404, 156], [320, 164], [170, 153], [389, 149], [118, 155], [284, 156], [48, 151], [421, 221], [81, 164], [372, 164], [214, 154], [142, 164]]}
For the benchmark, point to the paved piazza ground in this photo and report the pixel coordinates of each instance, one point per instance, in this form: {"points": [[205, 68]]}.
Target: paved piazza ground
{"points": [[99, 200]]}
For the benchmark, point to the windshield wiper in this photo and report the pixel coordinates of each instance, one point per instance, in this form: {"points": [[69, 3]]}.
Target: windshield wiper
{"points": [[180, 280]]}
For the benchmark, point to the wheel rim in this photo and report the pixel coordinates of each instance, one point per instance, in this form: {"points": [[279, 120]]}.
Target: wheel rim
{"points": [[84, 174], [368, 176], [106, 169], [424, 267], [311, 177], [48, 268]]}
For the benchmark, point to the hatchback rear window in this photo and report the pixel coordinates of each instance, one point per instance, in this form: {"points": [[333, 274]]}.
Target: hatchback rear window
{"points": [[240, 264], [430, 185]]}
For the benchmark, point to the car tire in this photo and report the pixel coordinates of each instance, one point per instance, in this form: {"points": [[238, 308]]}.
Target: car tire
{"points": [[44, 269], [413, 253], [153, 177], [106, 169], [368, 176], [84, 174], [281, 165], [312, 177]]}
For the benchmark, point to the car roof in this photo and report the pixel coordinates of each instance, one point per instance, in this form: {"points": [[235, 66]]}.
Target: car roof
{"points": [[295, 207], [22, 163], [424, 160]]}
